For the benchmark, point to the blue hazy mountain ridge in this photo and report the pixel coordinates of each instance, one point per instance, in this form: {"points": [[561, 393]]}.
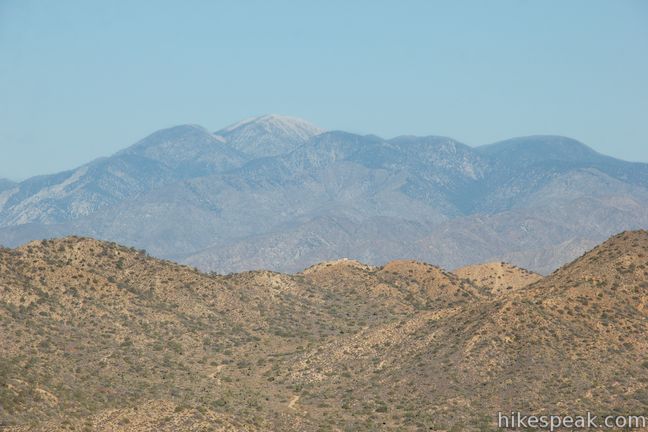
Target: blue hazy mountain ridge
{"points": [[162, 157], [276, 192], [188, 150], [6, 184], [559, 152]]}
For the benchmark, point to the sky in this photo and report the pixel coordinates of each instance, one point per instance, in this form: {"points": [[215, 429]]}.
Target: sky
{"points": [[83, 79]]}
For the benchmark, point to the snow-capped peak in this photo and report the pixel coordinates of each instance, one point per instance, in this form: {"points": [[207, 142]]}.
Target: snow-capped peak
{"points": [[286, 123], [269, 134]]}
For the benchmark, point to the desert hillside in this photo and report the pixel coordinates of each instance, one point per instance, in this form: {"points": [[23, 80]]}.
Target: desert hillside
{"points": [[96, 336], [498, 276]]}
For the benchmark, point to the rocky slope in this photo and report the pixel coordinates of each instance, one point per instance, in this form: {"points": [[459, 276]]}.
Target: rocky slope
{"points": [[573, 342], [97, 336], [91, 329]]}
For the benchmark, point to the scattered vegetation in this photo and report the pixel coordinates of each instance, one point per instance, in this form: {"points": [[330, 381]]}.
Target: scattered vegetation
{"points": [[98, 336]]}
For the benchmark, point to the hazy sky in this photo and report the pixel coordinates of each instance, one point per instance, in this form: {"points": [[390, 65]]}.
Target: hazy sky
{"points": [[82, 79]]}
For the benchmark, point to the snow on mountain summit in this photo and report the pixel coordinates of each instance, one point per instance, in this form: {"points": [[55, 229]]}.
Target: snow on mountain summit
{"points": [[268, 135], [276, 121]]}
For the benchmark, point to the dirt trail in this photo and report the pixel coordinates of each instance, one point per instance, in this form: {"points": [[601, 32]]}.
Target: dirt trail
{"points": [[292, 403], [219, 368]]}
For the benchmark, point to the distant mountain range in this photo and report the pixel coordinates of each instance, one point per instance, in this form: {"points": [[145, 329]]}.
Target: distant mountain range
{"points": [[279, 193]]}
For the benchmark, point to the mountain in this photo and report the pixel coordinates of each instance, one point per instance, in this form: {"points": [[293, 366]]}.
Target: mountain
{"points": [[224, 202], [188, 150], [268, 135], [523, 169], [164, 157], [536, 149], [433, 199], [79, 192], [103, 337]]}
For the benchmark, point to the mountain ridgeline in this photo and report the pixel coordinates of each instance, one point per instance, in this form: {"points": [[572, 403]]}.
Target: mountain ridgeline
{"points": [[276, 192], [6, 184]]}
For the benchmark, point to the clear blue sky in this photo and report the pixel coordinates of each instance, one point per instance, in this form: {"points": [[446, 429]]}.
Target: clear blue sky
{"points": [[82, 79]]}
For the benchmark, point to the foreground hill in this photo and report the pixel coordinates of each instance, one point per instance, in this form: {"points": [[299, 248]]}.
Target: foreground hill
{"points": [[498, 276], [90, 328], [573, 342], [97, 336], [279, 193]]}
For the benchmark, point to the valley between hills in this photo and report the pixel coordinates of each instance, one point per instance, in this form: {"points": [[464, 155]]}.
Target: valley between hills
{"points": [[98, 336]]}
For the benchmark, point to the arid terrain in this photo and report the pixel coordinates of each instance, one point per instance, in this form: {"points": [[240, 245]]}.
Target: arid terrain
{"points": [[96, 336], [498, 276]]}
